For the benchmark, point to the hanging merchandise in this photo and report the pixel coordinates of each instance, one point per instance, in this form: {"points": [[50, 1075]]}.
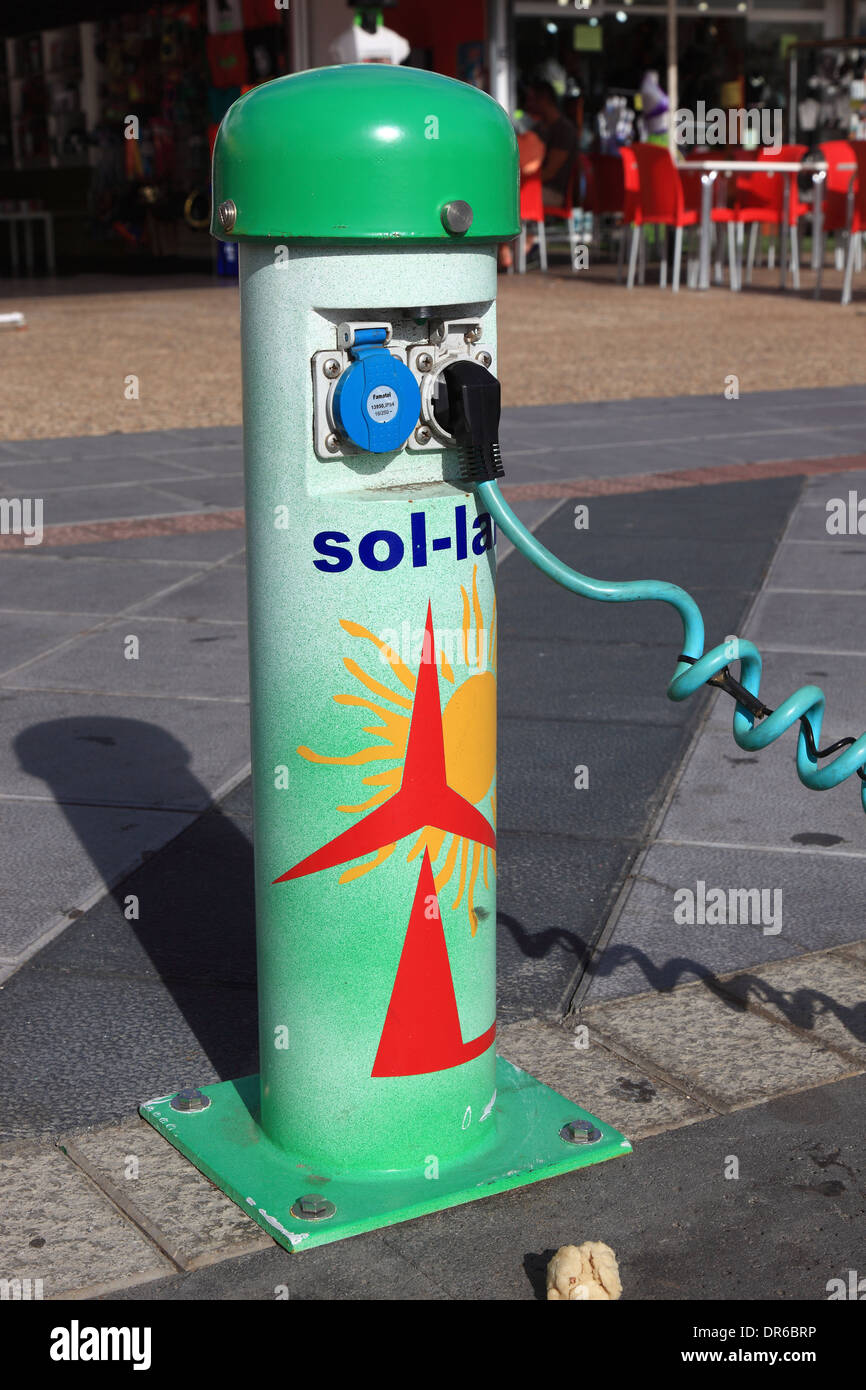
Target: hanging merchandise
{"points": [[360, 45], [227, 58], [224, 16], [264, 54]]}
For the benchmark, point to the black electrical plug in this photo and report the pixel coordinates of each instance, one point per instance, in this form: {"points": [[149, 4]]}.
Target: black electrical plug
{"points": [[473, 418]]}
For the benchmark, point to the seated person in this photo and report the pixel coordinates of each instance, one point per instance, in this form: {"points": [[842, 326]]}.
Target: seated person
{"points": [[560, 142]]}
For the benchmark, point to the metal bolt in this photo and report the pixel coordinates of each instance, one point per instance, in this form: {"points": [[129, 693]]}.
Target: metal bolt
{"points": [[332, 368], [457, 217], [332, 443], [472, 334], [227, 214], [313, 1207], [485, 359], [580, 1132], [424, 361], [422, 435], [190, 1099]]}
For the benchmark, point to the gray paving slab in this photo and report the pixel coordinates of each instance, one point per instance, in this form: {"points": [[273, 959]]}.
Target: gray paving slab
{"points": [[810, 522], [651, 950], [764, 805], [56, 1227], [56, 862], [82, 1049], [208, 491], [96, 445], [596, 1079], [824, 567], [205, 458], [189, 548], [37, 478], [823, 995], [183, 1213], [792, 1221], [176, 659], [536, 782], [24, 636], [707, 1042], [106, 503], [809, 622], [219, 595], [820, 489], [82, 748], [80, 586]]}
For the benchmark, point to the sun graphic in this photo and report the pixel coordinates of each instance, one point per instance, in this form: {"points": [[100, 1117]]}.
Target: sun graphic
{"points": [[469, 735]]}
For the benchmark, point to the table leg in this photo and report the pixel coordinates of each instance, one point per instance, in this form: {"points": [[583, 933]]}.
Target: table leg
{"points": [[707, 181], [783, 232], [818, 181]]}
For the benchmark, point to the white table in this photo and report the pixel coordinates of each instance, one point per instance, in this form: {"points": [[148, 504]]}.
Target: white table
{"points": [[26, 219], [709, 170]]}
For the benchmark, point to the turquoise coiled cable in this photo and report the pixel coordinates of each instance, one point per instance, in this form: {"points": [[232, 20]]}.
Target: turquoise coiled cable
{"points": [[807, 702]]}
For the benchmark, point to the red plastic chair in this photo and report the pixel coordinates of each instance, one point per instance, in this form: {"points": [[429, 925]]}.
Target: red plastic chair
{"points": [[839, 198], [662, 201], [531, 210], [856, 215], [759, 200], [565, 212]]}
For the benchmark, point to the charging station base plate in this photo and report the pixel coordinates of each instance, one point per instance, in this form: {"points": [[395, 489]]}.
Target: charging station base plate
{"points": [[226, 1143]]}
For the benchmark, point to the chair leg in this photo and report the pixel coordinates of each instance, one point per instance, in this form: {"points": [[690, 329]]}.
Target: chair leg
{"points": [[771, 253], [733, 273], [641, 273], [858, 255], [849, 269], [795, 257], [633, 254], [717, 243], [663, 263], [542, 243], [572, 238], [620, 255], [750, 258], [678, 255], [521, 250]]}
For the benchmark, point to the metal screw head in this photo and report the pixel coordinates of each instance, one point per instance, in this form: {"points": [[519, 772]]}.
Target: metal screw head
{"points": [[227, 214], [424, 361], [332, 368], [422, 435], [472, 334], [580, 1132], [190, 1099], [332, 443], [312, 1207], [457, 217], [485, 359]]}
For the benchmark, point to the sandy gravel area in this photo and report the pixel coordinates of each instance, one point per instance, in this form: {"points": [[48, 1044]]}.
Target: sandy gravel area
{"points": [[563, 338]]}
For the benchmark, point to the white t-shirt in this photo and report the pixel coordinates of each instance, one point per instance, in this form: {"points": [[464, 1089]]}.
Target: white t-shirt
{"points": [[357, 46]]}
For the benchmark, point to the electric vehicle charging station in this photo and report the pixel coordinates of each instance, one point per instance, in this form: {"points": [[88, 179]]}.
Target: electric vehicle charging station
{"points": [[368, 203]]}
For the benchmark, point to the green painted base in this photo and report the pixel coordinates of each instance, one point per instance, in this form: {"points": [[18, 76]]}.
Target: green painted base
{"points": [[226, 1144]]}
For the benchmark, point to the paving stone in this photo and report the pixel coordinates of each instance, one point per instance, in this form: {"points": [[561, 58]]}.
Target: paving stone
{"points": [[80, 586], [38, 477], [182, 1211], [24, 635], [732, 1057], [55, 1226], [79, 747], [57, 860], [106, 503], [765, 804], [808, 622], [823, 994], [597, 1080], [194, 660], [799, 566], [221, 594]]}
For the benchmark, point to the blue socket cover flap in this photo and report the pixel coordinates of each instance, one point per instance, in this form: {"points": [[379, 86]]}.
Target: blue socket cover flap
{"points": [[376, 401]]}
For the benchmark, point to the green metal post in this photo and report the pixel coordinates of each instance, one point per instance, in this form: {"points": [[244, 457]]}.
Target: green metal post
{"points": [[372, 674]]}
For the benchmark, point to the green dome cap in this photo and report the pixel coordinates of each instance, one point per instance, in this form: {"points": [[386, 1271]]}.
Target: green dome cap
{"points": [[365, 152]]}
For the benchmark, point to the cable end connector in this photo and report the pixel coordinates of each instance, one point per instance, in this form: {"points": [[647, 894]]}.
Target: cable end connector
{"points": [[473, 409]]}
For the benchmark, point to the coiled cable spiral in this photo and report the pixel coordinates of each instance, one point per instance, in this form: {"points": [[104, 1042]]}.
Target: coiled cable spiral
{"points": [[755, 724]]}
